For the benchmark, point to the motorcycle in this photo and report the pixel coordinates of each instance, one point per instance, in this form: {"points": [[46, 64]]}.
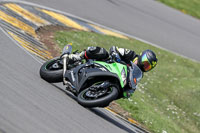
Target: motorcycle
{"points": [[94, 83]]}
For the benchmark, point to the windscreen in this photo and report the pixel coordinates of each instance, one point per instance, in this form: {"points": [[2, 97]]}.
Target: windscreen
{"points": [[135, 75]]}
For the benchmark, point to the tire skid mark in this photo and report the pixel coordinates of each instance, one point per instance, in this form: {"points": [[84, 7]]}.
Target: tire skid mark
{"points": [[26, 14], [31, 48], [21, 34], [17, 23], [41, 14], [14, 14], [64, 19]]}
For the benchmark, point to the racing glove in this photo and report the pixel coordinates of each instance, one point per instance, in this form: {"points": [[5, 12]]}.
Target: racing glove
{"points": [[116, 56]]}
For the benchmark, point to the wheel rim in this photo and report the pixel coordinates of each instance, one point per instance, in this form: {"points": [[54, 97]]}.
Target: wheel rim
{"points": [[90, 94], [53, 65]]}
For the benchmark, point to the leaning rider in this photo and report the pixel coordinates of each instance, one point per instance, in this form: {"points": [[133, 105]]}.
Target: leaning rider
{"points": [[146, 61]]}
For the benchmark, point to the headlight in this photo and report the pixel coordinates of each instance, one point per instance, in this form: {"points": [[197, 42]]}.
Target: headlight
{"points": [[123, 73]]}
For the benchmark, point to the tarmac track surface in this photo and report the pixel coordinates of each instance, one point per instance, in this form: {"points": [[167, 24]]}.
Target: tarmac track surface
{"points": [[145, 19], [28, 104]]}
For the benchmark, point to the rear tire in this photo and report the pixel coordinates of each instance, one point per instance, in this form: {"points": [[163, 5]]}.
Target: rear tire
{"points": [[99, 102], [51, 75]]}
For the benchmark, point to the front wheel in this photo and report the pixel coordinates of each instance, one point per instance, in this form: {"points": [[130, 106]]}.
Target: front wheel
{"points": [[52, 71], [97, 98]]}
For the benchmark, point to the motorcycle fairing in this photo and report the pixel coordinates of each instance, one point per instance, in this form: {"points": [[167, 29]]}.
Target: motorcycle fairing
{"points": [[85, 73], [116, 68]]}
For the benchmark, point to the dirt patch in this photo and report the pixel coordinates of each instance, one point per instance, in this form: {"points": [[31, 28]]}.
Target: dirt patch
{"points": [[46, 36], [117, 109]]}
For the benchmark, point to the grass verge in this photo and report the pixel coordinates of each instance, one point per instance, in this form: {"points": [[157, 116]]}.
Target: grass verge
{"points": [[191, 7], [167, 99]]}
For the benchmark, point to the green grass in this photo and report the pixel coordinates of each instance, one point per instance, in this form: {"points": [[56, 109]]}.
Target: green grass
{"points": [[191, 7], [167, 99]]}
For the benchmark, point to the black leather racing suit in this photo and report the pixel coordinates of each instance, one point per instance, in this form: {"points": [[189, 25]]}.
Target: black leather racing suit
{"points": [[119, 54]]}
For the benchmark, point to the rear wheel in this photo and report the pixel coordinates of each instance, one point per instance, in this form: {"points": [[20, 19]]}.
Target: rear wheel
{"points": [[95, 96], [52, 71]]}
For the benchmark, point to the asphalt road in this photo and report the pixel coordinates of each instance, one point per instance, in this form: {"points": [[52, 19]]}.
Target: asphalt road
{"points": [[28, 104], [146, 19]]}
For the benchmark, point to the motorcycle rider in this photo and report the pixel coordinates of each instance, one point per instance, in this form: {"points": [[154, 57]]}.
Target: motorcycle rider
{"points": [[146, 61]]}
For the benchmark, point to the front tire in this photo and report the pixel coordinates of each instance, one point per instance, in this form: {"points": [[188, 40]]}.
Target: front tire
{"points": [[52, 74], [98, 102]]}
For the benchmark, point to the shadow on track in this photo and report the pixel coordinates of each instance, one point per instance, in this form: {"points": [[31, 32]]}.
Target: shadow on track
{"points": [[99, 112], [111, 120], [2, 131]]}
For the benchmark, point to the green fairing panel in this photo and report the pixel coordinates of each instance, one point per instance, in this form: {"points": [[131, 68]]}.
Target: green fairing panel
{"points": [[114, 68]]}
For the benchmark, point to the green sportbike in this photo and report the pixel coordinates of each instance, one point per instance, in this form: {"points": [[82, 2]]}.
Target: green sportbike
{"points": [[94, 83]]}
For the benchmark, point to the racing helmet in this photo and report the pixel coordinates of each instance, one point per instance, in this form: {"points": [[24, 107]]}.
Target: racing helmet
{"points": [[147, 60]]}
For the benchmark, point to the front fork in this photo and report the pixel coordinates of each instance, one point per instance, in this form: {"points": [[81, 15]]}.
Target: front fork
{"points": [[68, 85], [65, 61]]}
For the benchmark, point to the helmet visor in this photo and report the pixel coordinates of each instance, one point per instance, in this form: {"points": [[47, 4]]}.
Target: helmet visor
{"points": [[145, 62]]}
